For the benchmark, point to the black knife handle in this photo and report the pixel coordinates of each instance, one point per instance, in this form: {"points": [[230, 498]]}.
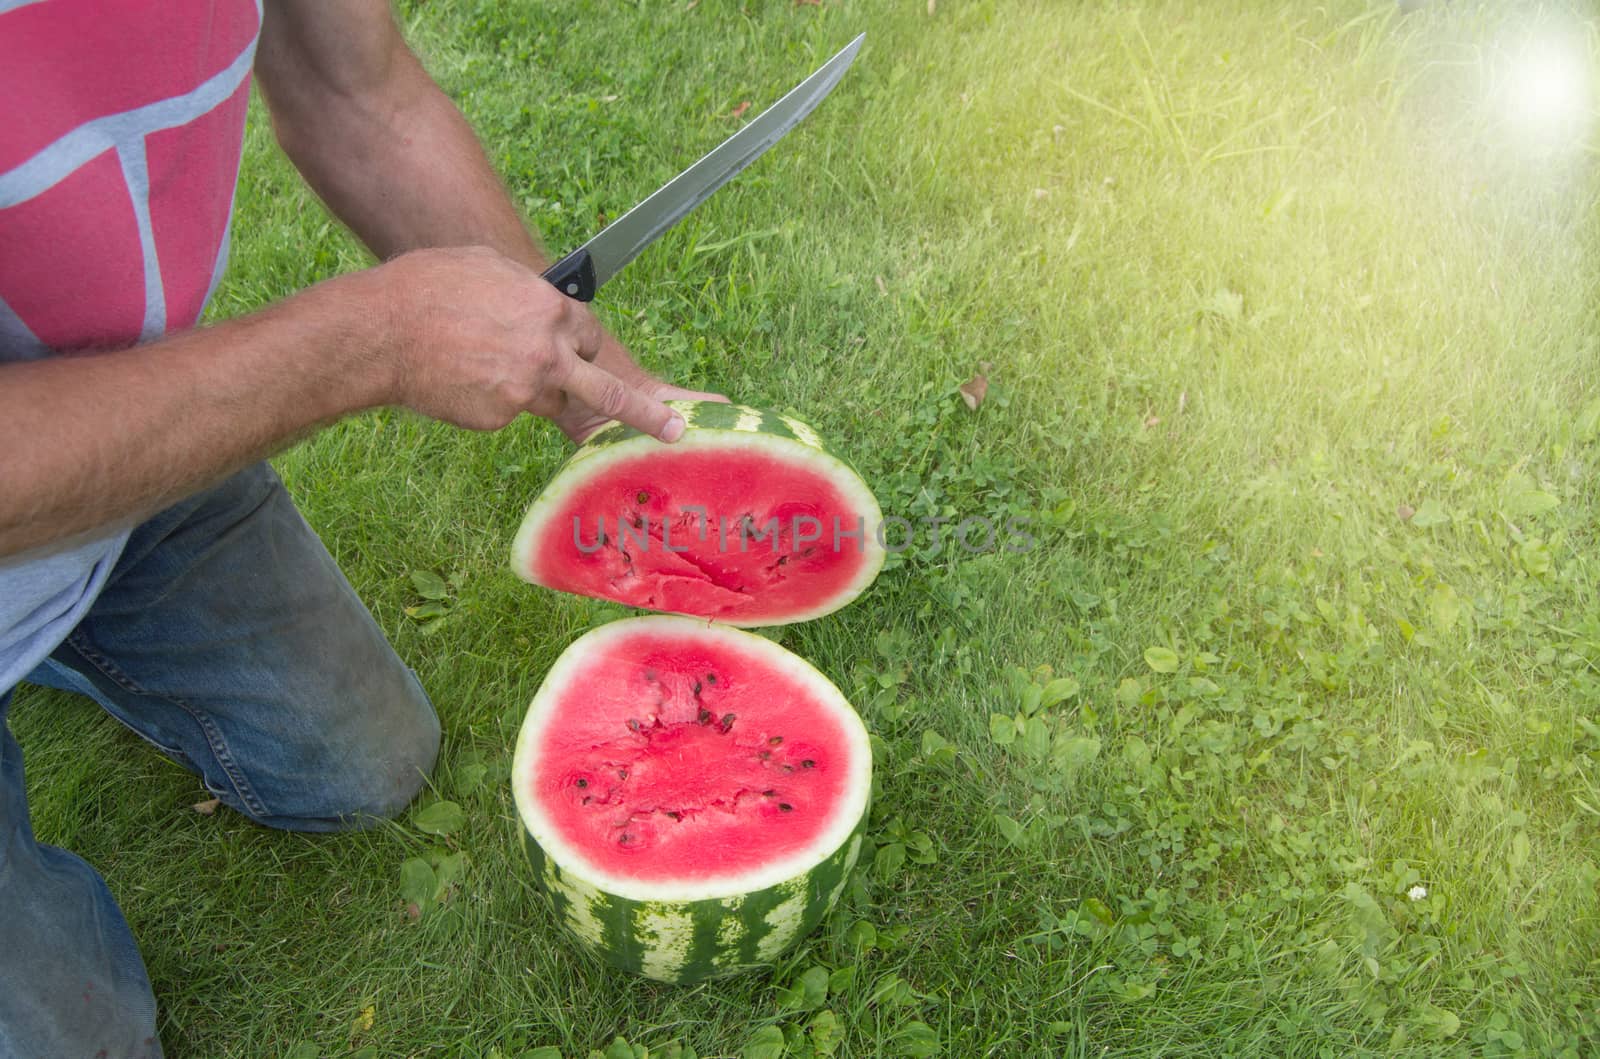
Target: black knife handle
{"points": [[573, 275]]}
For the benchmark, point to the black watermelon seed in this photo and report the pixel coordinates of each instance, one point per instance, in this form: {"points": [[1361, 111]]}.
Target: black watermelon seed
{"points": [[808, 764], [625, 839], [786, 807], [622, 774], [582, 782], [633, 724], [776, 740], [788, 768], [704, 716], [765, 754], [768, 793], [643, 497], [676, 816], [727, 721], [711, 678], [695, 688]]}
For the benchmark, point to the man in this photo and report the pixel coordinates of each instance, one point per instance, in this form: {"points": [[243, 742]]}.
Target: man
{"points": [[148, 558]]}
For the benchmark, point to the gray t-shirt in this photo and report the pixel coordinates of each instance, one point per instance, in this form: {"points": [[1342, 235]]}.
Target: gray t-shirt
{"points": [[44, 594]]}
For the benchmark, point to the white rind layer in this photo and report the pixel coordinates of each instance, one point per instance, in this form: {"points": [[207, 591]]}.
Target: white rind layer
{"points": [[846, 813]]}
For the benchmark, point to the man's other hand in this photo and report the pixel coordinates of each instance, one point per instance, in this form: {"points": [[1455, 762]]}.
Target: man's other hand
{"points": [[476, 339]]}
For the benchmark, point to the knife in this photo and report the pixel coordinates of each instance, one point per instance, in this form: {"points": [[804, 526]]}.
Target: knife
{"points": [[582, 272]]}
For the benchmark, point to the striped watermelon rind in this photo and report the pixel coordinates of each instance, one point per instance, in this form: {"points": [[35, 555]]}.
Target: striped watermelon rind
{"points": [[695, 929], [715, 415], [683, 942], [715, 426]]}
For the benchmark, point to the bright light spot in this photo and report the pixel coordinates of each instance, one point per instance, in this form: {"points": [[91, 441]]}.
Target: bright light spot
{"points": [[1550, 84], [1549, 92]]}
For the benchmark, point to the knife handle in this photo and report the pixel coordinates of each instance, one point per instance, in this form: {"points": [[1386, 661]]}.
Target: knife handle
{"points": [[573, 275]]}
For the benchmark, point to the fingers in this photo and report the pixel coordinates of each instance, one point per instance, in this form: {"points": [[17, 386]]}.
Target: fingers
{"points": [[612, 398]]}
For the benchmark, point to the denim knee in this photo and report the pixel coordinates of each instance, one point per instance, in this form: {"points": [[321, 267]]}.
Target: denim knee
{"points": [[401, 761], [379, 768]]}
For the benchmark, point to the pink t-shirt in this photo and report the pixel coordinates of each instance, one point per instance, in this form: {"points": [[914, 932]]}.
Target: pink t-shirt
{"points": [[120, 136]]}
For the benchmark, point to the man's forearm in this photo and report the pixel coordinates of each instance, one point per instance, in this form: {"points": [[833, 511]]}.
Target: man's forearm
{"points": [[111, 437], [391, 155]]}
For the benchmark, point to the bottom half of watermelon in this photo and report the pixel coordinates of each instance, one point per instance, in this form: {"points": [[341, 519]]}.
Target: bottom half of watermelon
{"points": [[692, 796]]}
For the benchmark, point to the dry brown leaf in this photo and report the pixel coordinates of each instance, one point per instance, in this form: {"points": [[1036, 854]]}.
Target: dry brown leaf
{"points": [[413, 912], [974, 390], [738, 111], [207, 807], [1405, 511]]}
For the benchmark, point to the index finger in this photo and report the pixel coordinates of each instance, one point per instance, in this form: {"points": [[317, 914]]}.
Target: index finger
{"points": [[615, 399]]}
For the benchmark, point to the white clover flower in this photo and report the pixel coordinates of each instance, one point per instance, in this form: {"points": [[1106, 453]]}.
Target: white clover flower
{"points": [[1417, 893]]}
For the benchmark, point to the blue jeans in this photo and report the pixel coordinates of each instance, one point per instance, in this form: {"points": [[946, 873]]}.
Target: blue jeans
{"points": [[227, 637]]}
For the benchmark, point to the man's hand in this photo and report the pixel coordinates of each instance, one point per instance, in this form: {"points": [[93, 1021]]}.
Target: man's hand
{"points": [[478, 339]]}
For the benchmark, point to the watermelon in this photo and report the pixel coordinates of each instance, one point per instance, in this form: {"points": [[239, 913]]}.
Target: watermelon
{"points": [[692, 796], [748, 520]]}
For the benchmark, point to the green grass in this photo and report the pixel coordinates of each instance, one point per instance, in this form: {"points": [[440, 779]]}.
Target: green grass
{"points": [[1254, 282]]}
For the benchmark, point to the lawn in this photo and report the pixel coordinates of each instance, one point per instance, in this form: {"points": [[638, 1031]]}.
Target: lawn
{"points": [[1283, 738]]}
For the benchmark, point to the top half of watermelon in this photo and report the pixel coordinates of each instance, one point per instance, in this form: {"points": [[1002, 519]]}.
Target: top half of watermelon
{"points": [[748, 519]]}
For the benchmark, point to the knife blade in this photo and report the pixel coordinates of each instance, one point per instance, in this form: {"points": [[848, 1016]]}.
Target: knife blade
{"points": [[582, 272]]}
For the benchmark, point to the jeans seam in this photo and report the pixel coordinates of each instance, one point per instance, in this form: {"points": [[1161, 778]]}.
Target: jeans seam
{"points": [[214, 739]]}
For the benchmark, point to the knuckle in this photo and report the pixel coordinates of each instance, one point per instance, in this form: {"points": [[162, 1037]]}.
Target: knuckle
{"points": [[561, 307], [512, 394]]}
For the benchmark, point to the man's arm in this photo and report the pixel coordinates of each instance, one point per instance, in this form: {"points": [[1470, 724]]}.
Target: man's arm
{"points": [[466, 336], [392, 156], [375, 137]]}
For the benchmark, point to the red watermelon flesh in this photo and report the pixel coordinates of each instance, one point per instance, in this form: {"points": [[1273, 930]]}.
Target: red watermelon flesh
{"points": [[672, 752], [633, 532]]}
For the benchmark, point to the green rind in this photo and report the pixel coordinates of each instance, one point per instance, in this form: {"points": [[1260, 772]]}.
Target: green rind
{"points": [[683, 942], [715, 415]]}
